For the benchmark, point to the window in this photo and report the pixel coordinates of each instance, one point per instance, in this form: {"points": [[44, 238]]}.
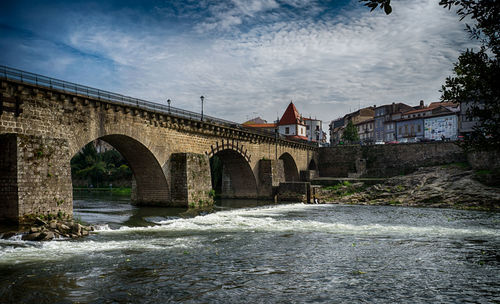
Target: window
{"points": [[287, 130], [400, 130], [317, 137], [419, 129], [317, 128], [412, 129], [307, 127], [406, 129]]}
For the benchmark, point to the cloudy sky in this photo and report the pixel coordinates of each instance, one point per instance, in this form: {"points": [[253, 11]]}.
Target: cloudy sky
{"points": [[247, 57]]}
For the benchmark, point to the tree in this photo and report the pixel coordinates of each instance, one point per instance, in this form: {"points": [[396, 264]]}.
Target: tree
{"points": [[477, 73], [350, 134], [99, 169]]}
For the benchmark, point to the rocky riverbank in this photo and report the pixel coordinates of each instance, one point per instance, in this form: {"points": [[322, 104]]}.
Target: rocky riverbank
{"points": [[46, 230], [451, 186]]}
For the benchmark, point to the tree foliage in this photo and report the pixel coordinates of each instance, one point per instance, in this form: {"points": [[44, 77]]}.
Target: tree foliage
{"points": [[350, 133], [99, 169], [384, 4], [476, 74]]}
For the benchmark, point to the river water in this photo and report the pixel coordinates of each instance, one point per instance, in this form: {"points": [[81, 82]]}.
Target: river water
{"points": [[286, 253]]}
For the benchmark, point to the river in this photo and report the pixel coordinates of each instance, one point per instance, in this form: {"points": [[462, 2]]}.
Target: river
{"points": [[285, 253]]}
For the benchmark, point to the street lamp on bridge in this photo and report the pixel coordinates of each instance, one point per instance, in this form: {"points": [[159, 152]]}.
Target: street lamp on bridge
{"points": [[168, 101]]}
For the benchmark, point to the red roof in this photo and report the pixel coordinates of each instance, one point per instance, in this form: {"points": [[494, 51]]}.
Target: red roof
{"points": [[297, 137], [443, 104], [291, 116], [263, 125]]}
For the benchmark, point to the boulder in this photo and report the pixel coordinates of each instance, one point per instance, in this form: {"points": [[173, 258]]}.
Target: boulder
{"points": [[40, 222], [47, 236], [32, 236]]}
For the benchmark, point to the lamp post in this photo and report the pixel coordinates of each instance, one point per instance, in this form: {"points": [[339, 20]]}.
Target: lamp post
{"points": [[168, 101], [202, 98]]}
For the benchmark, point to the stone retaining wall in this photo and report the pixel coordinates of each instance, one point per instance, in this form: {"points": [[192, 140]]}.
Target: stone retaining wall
{"points": [[386, 160]]}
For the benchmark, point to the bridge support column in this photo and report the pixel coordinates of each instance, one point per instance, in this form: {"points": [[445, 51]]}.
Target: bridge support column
{"points": [[190, 180], [35, 177], [308, 175], [271, 174]]}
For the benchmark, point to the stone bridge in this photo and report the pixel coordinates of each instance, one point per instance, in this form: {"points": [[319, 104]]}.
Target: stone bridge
{"points": [[44, 122]]}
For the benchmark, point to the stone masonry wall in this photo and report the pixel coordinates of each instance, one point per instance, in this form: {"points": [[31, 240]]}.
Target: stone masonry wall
{"points": [[8, 178], [387, 160], [35, 176], [190, 180], [198, 180], [44, 172]]}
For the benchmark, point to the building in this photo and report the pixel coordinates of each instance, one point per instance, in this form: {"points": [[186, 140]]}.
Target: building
{"points": [[291, 124], [466, 123], [365, 131], [442, 126], [385, 126], [268, 127], [358, 117], [413, 124], [336, 130], [256, 120], [314, 130]]}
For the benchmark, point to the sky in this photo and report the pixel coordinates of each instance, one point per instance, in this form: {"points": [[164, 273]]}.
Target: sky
{"points": [[248, 58]]}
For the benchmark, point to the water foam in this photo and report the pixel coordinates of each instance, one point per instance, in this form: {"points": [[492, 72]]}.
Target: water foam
{"points": [[268, 219], [261, 219]]}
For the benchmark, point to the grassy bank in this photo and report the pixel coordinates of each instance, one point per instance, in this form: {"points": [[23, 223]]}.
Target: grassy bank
{"points": [[121, 190]]}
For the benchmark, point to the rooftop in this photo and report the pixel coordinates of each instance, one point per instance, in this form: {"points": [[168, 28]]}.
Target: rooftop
{"points": [[291, 116]]}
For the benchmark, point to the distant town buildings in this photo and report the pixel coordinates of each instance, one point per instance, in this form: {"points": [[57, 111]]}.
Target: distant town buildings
{"points": [[292, 125], [399, 122]]}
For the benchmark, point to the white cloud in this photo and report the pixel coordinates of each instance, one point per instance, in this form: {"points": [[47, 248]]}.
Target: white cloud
{"points": [[327, 67]]}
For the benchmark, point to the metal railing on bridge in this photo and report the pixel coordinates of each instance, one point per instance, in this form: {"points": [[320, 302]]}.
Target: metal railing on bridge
{"points": [[73, 88]]}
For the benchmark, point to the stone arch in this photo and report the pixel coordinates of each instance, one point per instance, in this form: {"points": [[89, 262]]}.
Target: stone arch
{"points": [[312, 165], [238, 179], [151, 186], [229, 145], [290, 168]]}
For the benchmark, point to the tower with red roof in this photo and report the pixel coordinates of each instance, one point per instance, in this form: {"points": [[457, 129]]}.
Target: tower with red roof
{"points": [[292, 124]]}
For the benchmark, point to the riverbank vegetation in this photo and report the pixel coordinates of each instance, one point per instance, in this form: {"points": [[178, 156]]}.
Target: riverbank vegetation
{"points": [[117, 191], [90, 169]]}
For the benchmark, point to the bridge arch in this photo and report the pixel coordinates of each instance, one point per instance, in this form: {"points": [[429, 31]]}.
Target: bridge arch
{"points": [[290, 167], [151, 186], [312, 165], [232, 176]]}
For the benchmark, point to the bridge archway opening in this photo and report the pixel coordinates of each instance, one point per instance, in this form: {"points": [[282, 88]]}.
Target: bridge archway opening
{"points": [[120, 161], [232, 176], [291, 172], [312, 165]]}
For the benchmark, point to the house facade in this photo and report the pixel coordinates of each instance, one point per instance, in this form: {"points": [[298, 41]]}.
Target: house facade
{"points": [[365, 130], [443, 127], [385, 127], [314, 130], [337, 126]]}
